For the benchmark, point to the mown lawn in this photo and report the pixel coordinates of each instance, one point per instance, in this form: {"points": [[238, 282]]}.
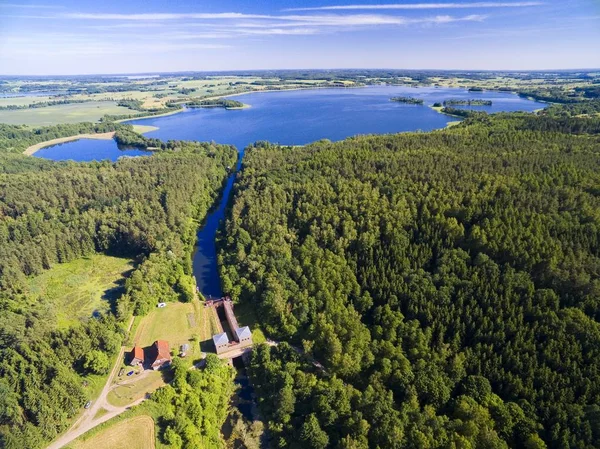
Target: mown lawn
{"points": [[176, 323], [80, 287]]}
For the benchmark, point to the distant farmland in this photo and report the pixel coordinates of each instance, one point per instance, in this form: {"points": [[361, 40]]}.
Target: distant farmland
{"points": [[91, 111]]}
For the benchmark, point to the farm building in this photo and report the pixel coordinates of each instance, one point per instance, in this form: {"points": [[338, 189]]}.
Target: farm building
{"points": [[137, 356], [161, 354]]}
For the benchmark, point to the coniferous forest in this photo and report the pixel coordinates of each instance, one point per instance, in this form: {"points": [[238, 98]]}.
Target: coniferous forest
{"points": [[427, 290], [144, 208], [438, 290]]}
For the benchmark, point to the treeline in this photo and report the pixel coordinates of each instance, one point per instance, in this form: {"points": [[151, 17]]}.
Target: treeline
{"points": [[43, 104], [551, 95], [216, 102], [447, 282], [458, 102], [407, 100], [145, 208], [458, 112], [169, 108], [590, 108], [136, 105]]}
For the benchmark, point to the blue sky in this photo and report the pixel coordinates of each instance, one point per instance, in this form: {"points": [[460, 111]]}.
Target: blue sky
{"points": [[125, 36]]}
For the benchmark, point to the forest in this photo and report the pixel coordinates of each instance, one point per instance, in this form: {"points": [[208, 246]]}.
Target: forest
{"points": [[407, 100], [447, 282], [215, 103], [146, 208], [474, 102]]}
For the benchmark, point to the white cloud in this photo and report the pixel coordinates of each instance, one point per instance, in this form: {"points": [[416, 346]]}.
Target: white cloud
{"points": [[412, 6], [310, 20]]}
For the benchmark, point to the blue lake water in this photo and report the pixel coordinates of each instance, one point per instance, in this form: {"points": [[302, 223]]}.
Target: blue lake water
{"points": [[88, 150], [290, 118]]}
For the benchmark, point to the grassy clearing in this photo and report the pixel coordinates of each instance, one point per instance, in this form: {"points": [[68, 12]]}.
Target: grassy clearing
{"points": [[133, 433], [177, 323], [128, 393], [67, 113], [80, 287]]}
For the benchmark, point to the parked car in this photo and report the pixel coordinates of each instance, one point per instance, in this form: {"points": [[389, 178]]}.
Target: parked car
{"points": [[88, 404], [121, 371], [130, 373], [162, 304]]}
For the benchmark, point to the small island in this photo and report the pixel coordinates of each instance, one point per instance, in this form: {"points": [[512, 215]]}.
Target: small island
{"points": [[468, 103], [217, 103], [407, 100]]}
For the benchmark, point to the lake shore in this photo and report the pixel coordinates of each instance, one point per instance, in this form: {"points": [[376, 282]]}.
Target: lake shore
{"points": [[99, 136], [48, 143], [177, 111]]}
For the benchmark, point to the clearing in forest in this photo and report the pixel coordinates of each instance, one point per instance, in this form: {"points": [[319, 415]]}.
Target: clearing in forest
{"points": [[81, 287], [178, 323]]}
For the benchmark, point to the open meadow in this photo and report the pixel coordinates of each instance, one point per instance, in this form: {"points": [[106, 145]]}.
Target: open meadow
{"points": [[78, 288], [91, 111]]}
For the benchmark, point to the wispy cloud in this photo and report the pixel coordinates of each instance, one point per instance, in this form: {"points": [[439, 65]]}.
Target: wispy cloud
{"points": [[412, 6], [312, 20]]}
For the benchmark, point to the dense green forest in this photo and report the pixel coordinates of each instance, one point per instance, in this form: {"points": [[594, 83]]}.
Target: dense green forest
{"points": [[448, 282], [474, 102], [147, 208], [195, 404]]}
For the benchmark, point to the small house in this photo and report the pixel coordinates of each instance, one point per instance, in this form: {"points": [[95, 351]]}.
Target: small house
{"points": [[161, 354], [137, 356]]}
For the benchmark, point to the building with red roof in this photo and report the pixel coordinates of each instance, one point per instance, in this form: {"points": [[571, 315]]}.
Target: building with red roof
{"points": [[161, 354], [137, 356]]}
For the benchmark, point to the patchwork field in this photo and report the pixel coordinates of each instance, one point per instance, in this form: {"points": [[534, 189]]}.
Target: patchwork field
{"points": [[80, 287], [134, 433], [91, 111]]}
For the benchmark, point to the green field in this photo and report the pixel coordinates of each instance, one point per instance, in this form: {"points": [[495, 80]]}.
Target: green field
{"points": [[133, 433], [177, 323], [91, 111], [78, 288]]}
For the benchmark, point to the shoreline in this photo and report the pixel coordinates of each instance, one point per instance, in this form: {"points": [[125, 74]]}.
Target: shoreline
{"points": [[48, 143], [123, 120]]}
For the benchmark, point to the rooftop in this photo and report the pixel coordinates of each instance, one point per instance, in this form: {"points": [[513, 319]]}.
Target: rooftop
{"points": [[162, 348], [220, 339], [243, 332]]}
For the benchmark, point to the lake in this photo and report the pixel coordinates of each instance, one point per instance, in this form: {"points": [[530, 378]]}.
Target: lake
{"points": [[290, 118], [83, 150]]}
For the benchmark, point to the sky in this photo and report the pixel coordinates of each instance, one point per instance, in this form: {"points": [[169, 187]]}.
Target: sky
{"points": [[68, 37]]}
